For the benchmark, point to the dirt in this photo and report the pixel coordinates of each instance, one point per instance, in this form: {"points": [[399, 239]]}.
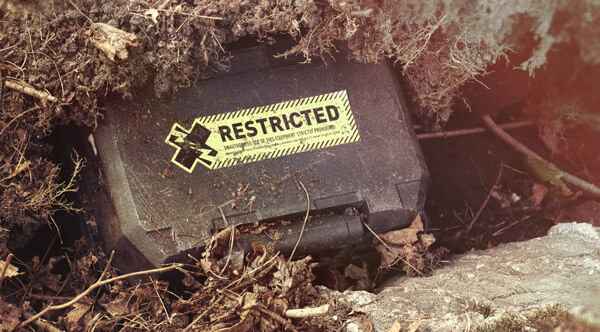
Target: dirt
{"points": [[460, 188]]}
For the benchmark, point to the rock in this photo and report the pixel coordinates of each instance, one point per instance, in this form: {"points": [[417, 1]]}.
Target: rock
{"points": [[353, 327], [580, 229], [360, 298], [478, 288]]}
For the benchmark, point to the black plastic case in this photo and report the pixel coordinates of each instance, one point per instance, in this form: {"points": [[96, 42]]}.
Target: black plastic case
{"points": [[156, 210]]}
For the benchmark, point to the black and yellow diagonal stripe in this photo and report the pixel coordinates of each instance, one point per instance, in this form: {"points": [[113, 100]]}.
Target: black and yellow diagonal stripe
{"points": [[291, 104], [312, 136]]}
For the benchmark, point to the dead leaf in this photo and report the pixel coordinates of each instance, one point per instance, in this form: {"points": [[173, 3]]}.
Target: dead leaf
{"points": [[538, 193], [279, 305], [426, 240], [408, 246], [290, 275], [73, 318], [20, 168], [11, 270], [10, 315], [113, 42], [405, 236], [248, 301], [117, 308], [390, 255], [246, 324], [417, 223], [216, 248], [401, 237]]}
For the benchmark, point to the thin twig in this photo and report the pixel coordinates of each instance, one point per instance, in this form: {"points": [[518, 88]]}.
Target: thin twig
{"points": [[17, 117], [94, 286], [390, 249], [260, 271], [307, 312], [5, 268], [231, 241], [45, 325], [29, 90], [471, 131], [486, 200], [503, 229], [80, 11], [37, 267], [49, 297], [107, 267], [2, 88], [204, 313], [263, 310], [304, 222], [163, 5], [216, 18], [584, 185], [161, 301]]}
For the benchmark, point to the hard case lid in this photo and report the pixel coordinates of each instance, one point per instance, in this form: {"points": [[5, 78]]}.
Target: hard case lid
{"points": [[162, 207]]}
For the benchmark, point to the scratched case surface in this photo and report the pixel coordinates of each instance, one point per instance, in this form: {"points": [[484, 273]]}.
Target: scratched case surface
{"points": [[160, 208]]}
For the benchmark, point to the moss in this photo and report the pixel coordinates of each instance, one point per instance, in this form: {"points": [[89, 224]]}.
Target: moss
{"points": [[485, 309], [550, 318], [507, 323]]}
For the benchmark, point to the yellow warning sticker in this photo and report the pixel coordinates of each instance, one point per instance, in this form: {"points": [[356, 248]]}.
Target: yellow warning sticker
{"points": [[264, 132]]}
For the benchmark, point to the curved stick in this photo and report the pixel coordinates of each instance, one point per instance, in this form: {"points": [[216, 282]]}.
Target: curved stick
{"points": [[580, 183]]}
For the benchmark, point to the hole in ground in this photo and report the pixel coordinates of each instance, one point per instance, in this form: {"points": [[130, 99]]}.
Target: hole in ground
{"points": [[465, 170]]}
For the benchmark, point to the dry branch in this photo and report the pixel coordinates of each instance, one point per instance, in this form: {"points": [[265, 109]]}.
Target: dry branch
{"points": [[95, 285], [486, 200], [308, 312], [584, 185], [471, 131], [29, 90]]}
